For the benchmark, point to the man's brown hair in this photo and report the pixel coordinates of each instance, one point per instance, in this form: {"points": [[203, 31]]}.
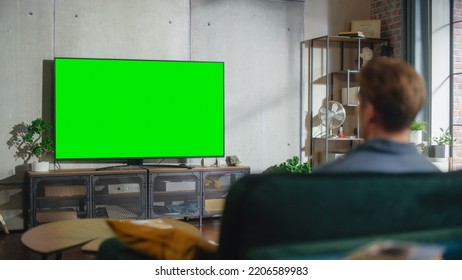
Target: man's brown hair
{"points": [[395, 89]]}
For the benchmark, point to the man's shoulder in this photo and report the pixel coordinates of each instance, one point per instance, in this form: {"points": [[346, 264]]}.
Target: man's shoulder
{"points": [[380, 156], [351, 161]]}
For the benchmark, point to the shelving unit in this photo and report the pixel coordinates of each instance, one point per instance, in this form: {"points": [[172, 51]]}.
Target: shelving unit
{"points": [[177, 193], [334, 64]]}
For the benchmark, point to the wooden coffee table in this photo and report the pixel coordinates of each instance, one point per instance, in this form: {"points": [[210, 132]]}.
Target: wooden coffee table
{"points": [[56, 237]]}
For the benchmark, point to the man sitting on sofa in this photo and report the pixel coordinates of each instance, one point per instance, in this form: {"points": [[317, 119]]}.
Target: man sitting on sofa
{"points": [[391, 94]]}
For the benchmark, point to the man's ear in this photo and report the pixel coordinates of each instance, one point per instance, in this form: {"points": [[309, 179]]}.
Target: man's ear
{"points": [[370, 114]]}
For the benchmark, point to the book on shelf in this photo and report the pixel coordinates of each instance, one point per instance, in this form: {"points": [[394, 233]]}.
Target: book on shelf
{"points": [[354, 34]]}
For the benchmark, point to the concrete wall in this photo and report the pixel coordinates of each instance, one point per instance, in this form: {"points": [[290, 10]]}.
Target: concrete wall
{"points": [[332, 16], [259, 42], [26, 41], [141, 29], [26, 32], [257, 39]]}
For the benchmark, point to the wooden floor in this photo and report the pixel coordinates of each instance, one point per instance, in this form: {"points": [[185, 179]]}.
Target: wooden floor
{"points": [[11, 247]]}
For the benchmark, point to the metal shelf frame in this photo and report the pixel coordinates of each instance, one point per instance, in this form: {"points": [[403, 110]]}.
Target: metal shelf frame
{"points": [[328, 42]]}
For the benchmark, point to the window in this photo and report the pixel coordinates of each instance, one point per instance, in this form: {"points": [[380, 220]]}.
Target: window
{"points": [[456, 81]]}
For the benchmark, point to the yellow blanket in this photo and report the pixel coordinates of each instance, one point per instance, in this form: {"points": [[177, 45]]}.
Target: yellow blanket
{"points": [[163, 241]]}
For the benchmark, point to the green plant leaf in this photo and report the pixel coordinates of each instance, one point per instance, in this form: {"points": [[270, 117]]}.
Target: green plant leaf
{"points": [[418, 125], [36, 137], [444, 139], [292, 165]]}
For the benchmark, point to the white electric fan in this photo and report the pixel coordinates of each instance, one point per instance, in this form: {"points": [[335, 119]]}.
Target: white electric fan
{"points": [[332, 116]]}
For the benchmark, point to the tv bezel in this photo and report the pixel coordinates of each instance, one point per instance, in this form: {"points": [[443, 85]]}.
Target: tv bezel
{"points": [[136, 161]]}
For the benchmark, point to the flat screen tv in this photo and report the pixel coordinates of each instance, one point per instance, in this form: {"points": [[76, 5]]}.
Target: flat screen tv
{"points": [[138, 109]]}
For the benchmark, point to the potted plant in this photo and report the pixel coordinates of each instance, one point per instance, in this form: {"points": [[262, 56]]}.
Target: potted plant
{"points": [[439, 147], [416, 130], [37, 143], [292, 165]]}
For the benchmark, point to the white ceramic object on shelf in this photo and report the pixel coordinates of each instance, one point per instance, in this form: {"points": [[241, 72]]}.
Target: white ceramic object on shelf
{"points": [[42, 166], [415, 136]]}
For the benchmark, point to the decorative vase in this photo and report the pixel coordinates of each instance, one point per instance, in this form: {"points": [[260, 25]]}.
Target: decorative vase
{"points": [[41, 166], [438, 151], [415, 136]]}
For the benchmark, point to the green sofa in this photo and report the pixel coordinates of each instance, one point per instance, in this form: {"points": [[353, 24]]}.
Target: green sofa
{"points": [[323, 216], [291, 216]]}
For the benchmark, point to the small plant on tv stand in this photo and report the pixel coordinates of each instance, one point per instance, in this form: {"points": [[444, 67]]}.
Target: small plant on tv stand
{"points": [[37, 141]]}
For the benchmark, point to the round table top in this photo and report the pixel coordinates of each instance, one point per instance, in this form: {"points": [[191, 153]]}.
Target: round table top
{"points": [[58, 236]]}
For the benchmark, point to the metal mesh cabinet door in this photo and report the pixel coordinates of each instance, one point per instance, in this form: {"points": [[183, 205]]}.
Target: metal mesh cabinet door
{"points": [[175, 194], [216, 187], [55, 198], [12, 205], [120, 196]]}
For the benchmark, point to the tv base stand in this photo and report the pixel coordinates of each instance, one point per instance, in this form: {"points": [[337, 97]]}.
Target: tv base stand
{"points": [[143, 166]]}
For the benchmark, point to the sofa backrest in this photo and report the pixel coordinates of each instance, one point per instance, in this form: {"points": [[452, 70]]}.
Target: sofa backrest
{"points": [[274, 209]]}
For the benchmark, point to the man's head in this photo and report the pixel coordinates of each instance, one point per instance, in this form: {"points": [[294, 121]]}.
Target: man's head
{"points": [[391, 94]]}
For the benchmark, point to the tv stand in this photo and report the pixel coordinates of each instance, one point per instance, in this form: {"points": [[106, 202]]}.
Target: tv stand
{"points": [[146, 193]]}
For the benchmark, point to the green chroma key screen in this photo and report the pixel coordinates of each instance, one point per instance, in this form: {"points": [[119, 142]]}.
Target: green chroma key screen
{"points": [[113, 108]]}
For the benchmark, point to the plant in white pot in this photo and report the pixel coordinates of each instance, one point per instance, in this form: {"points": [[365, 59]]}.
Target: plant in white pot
{"points": [[439, 147], [38, 143], [417, 128]]}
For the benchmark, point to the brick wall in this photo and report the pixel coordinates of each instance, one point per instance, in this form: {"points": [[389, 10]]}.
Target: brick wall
{"points": [[389, 12]]}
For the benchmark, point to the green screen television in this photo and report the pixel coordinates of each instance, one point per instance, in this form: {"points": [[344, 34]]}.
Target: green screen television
{"points": [[138, 109]]}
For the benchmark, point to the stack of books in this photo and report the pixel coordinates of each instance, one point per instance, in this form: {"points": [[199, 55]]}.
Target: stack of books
{"points": [[354, 34]]}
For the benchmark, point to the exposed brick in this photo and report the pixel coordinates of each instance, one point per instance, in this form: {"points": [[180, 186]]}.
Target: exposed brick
{"points": [[389, 12]]}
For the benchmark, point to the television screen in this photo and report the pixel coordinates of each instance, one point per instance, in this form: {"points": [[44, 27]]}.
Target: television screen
{"points": [[138, 109]]}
